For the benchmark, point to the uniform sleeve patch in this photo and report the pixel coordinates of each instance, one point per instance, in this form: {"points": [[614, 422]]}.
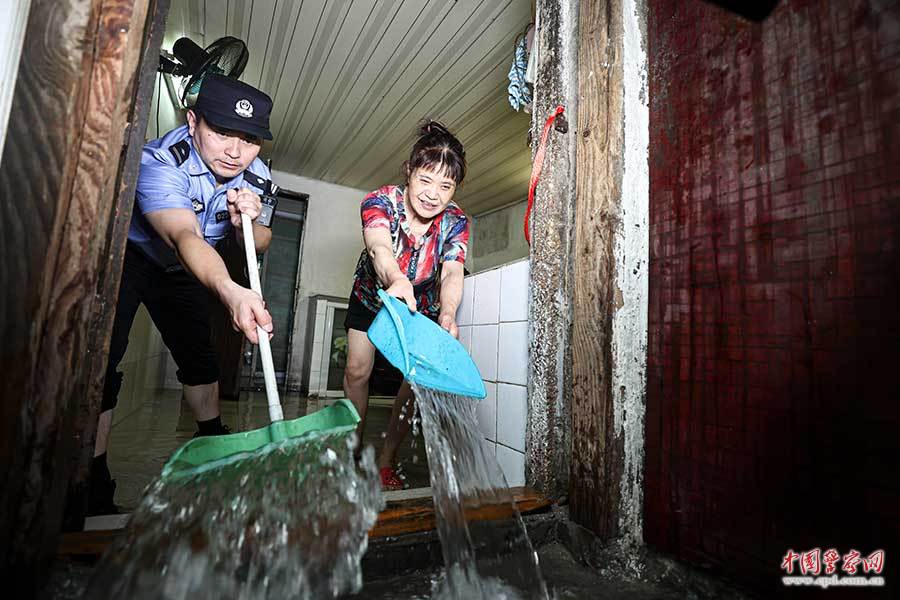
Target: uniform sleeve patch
{"points": [[197, 206]]}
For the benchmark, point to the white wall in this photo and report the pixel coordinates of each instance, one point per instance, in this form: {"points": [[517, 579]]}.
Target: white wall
{"points": [[332, 242], [493, 327], [497, 238], [12, 34]]}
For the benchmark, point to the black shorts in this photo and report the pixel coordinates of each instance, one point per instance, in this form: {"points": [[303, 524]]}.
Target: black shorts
{"points": [[360, 318], [179, 306]]}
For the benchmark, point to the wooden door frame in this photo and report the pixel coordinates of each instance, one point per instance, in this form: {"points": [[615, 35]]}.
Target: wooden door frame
{"points": [[66, 190], [110, 265], [589, 255]]}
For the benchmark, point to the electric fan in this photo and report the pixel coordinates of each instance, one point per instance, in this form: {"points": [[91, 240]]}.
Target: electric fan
{"points": [[225, 56]]}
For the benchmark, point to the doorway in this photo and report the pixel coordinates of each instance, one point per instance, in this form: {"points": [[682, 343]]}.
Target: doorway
{"points": [[280, 277]]}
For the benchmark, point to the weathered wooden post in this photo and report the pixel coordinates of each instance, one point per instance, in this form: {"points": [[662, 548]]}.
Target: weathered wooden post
{"points": [[609, 336], [548, 439], [57, 183], [589, 265], [109, 264]]}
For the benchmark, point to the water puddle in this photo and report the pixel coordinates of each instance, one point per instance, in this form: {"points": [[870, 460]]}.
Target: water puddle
{"points": [[491, 557], [288, 523]]}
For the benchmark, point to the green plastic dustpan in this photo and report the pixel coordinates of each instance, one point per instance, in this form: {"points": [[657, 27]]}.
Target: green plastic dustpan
{"points": [[206, 453], [423, 351]]}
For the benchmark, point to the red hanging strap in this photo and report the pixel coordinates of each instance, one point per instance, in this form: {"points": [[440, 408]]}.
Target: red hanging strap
{"points": [[536, 167]]}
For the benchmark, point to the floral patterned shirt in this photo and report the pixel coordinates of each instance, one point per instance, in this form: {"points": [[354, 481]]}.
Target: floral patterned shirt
{"points": [[446, 240]]}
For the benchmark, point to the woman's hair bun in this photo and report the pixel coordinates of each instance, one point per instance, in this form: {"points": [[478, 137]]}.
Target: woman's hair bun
{"points": [[433, 128], [437, 148]]}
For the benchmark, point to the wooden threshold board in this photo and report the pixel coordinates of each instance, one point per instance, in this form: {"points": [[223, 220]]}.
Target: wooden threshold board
{"points": [[413, 512], [415, 515]]}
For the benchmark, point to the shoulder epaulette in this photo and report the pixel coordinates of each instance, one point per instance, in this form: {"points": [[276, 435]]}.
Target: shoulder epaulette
{"points": [[181, 151], [264, 184]]}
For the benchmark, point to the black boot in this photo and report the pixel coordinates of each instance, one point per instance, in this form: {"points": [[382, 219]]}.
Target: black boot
{"points": [[102, 489], [213, 426]]}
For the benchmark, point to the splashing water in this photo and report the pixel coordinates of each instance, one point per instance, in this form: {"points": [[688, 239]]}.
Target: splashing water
{"points": [[289, 521], [489, 558]]}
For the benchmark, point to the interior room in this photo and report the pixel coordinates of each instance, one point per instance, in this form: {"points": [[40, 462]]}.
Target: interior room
{"points": [[344, 117]]}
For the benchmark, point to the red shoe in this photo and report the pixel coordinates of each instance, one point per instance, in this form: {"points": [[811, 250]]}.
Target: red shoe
{"points": [[390, 481]]}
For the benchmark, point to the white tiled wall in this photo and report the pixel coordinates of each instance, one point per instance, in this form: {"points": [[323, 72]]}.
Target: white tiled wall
{"points": [[511, 406], [486, 412], [486, 298], [512, 353], [493, 326], [484, 350], [512, 463]]}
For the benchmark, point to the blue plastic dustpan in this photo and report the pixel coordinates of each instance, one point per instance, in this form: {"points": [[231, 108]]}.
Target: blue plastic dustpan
{"points": [[421, 349]]}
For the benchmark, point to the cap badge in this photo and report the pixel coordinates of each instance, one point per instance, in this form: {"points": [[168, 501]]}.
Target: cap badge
{"points": [[243, 108]]}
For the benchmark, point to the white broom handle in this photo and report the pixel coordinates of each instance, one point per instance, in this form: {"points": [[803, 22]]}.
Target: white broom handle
{"points": [[265, 350]]}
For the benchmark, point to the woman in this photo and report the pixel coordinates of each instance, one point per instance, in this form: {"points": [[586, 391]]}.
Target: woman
{"points": [[416, 240]]}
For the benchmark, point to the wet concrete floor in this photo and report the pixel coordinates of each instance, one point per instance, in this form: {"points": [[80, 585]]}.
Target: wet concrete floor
{"points": [[567, 577], [573, 562]]}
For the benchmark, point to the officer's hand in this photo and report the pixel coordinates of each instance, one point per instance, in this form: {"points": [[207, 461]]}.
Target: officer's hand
{"points": [[247, 311], [242, 201]]}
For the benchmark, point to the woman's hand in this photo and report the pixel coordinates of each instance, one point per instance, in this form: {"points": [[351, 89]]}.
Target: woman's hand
{"points": [[402, 288], [448, 322]]}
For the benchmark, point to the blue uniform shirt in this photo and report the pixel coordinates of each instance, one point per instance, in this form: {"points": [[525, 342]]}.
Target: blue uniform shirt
{"points": [[172, 175]]}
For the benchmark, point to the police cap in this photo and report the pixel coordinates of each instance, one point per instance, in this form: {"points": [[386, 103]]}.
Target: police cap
{"points": [[228, 103]]}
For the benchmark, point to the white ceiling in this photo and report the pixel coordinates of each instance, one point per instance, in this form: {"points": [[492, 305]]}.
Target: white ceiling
{"points": [[351, 79]]}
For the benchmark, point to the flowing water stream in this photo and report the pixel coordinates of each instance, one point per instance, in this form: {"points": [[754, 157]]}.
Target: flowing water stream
{"points": [[490, 558], [288, 522]]}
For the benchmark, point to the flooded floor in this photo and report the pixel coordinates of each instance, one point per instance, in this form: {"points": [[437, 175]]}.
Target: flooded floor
{"points": [[574, 564], [567, 577], [149, 425]]}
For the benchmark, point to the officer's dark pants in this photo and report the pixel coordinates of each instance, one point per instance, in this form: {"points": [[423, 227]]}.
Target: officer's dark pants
{"points": [[179, 306]]}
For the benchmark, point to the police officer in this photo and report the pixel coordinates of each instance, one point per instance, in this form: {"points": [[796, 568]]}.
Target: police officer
{"points": [[193, 185]]}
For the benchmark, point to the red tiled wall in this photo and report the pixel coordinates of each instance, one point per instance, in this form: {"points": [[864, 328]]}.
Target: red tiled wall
{"points": [[773, 408]]}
